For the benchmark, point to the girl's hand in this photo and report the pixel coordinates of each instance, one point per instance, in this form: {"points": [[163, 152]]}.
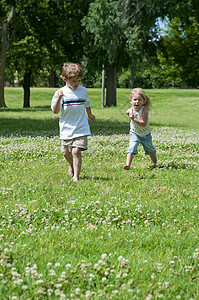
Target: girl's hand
{"points": [[131, 116]]}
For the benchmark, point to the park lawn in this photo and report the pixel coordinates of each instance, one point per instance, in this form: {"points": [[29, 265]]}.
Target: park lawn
{"points": [[115, 234]]}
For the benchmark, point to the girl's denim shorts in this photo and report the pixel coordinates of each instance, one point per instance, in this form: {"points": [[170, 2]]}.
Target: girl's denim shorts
{"points": [[146, 141]]}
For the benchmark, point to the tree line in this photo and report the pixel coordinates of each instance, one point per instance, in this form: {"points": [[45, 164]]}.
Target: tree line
{"points": [[121, 37]]}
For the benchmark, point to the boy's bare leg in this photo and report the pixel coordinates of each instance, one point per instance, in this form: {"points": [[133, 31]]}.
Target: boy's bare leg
{"points": [[154, 159], [129, 159], [68, 156], [77, 162]]}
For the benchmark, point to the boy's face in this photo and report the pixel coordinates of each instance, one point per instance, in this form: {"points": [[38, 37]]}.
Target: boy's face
{"points": [[73, 82]]}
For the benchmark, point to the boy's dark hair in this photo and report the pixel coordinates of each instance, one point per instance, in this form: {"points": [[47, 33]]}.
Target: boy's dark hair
{"points": [[71, 70]]}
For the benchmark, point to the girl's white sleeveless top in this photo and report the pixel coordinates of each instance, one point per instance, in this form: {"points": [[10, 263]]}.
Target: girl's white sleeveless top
{"points": [[140, 130]]}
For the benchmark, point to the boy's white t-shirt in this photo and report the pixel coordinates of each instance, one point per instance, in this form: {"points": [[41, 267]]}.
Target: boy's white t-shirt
{"points": [[73, 121]]}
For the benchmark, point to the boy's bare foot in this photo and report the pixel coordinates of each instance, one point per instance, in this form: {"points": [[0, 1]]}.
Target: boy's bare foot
{"points": [[126, 167], [70, 172], [74, 179]]}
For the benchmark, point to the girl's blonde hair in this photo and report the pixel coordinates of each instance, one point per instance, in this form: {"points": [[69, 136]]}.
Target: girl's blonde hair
{"points": [[71, 70], [145, 97]]}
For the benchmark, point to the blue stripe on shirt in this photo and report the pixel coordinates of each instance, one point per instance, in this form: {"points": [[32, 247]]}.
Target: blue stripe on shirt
{"points": [[74, 101]]}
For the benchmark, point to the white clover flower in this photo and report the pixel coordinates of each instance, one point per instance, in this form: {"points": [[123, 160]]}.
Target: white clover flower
{"points": [[103, 279], [34, 266], [96, 266], [104, 256], [49, 291], [52, 273], [40, 281], [115, 292], [68, 266], [49, 265], [58, 285], [196, 254], [77, 291], [57, 292], [100, 262], [88, 294], [120, 258], [57, 265], [15, 274], [166, 284], [40, 291], [160, 268], [62, 296], [24, 287], [18, 281]]}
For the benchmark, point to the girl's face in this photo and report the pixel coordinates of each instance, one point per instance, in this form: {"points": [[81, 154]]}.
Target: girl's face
{"points": [[137, 102], [73, 82]]}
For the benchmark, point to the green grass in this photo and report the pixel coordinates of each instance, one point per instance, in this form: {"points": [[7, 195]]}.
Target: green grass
{"points": [[115, 234]]}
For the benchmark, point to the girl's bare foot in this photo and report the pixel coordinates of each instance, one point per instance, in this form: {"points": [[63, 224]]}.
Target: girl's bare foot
{"points": [[126, 167]]}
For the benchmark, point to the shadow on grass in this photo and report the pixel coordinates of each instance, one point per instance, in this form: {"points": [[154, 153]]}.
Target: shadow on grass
{"points": [[173, 165], [50, 126], [28, 127], [28, 109], [95, 178]]}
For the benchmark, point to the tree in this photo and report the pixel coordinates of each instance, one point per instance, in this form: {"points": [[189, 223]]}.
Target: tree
{"points": [[119, 32], [124, 33], [102, 26], [26, 53], [44, 40], [8, 11], [181, 44]]}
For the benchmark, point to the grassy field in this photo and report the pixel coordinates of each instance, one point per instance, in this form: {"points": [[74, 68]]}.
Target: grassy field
{"points": [[115, 234]]}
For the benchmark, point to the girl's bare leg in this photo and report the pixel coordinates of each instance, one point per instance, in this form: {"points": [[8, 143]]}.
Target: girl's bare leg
{"points": [[77, 162], [68, 156], [154, 159], [129, 159]]}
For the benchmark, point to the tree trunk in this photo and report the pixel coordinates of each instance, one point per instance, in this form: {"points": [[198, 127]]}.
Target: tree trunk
{"points": [[103, 86], [111, 87], [132, 79], [4, 46], [26, 87], [53, 79]]}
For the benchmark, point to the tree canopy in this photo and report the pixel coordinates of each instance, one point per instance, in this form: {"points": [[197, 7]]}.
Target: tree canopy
{"points": [[121, 35]]}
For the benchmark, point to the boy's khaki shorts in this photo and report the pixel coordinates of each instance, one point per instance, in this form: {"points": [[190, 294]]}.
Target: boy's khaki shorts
{"points": [[80, 142]]}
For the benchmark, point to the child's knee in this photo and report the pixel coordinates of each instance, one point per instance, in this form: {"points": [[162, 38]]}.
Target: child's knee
{"points": [[76, 152], [67, 154]]}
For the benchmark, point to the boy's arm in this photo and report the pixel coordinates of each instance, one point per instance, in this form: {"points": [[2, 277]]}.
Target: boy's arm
{"points": [[89, 114], [56, 105]]}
